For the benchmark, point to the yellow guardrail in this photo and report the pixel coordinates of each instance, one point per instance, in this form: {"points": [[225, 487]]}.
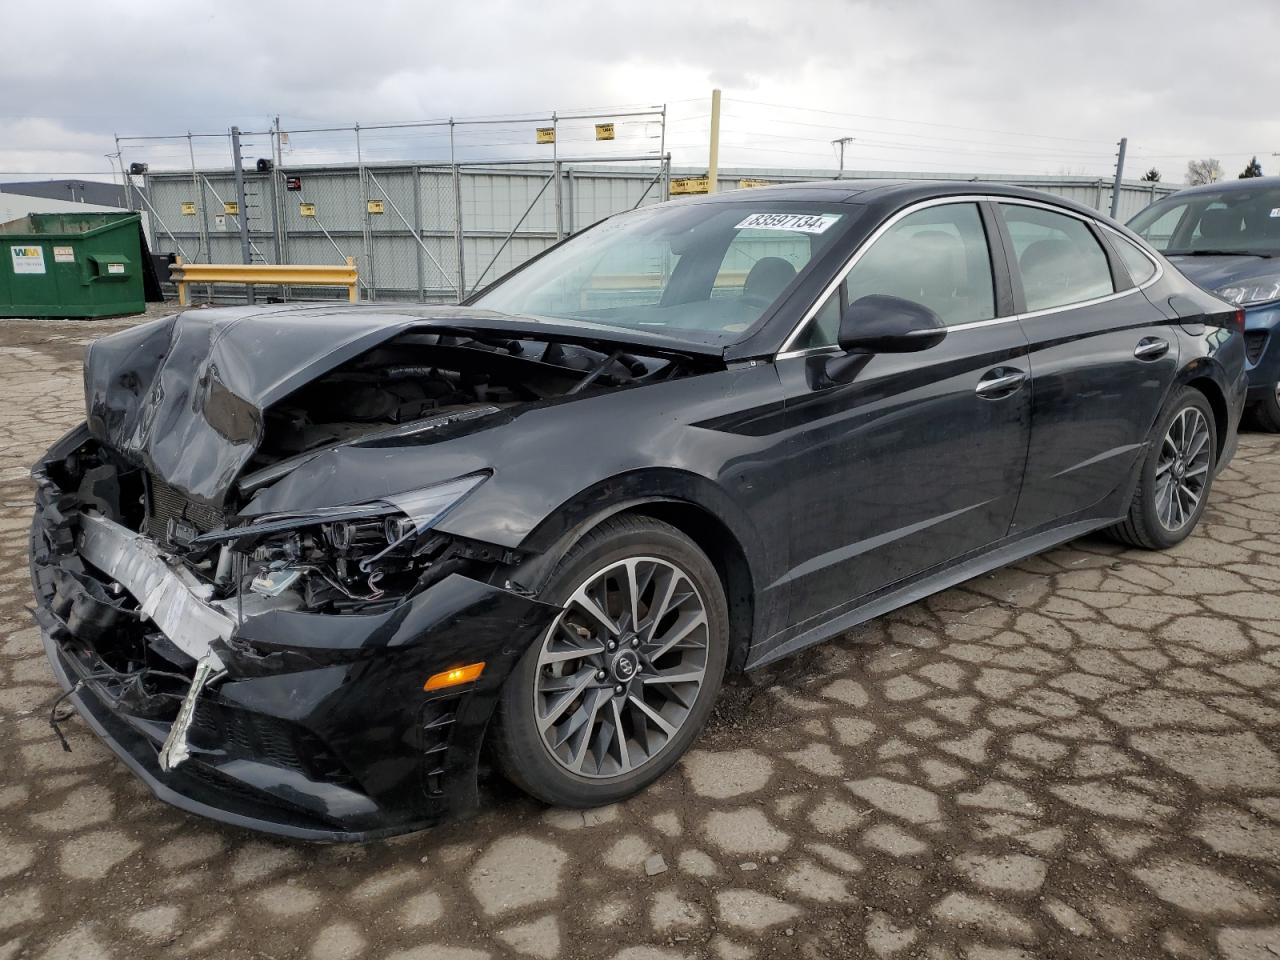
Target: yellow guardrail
{"points": [[303, 275]]}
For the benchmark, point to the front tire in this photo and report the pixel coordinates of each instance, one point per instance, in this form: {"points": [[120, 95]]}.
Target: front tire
{"points": [[625, 678], [1176, 476], [1266, 412]]}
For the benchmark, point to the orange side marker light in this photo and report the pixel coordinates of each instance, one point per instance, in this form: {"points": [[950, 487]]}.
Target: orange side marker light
{"points": [[454, 677]]}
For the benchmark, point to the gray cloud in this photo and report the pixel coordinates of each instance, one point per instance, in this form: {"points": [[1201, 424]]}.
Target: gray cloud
{"points": [[1179, 83]]}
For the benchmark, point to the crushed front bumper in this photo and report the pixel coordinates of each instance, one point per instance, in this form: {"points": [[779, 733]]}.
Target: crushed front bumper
{"points": [[320, 729]]}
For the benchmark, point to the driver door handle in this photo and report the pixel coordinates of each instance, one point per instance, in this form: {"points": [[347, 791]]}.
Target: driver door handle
{"points": [[1151, 348], [1000, 382]]}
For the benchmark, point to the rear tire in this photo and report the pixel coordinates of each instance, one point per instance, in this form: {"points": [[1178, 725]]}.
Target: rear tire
{"points": [[1176, 477], [585, 718], [1266, 412]]}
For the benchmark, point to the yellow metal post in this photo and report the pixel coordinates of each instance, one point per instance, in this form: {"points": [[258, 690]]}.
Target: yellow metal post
{"points": [[183, 299], [353, 291], [713, 157]]}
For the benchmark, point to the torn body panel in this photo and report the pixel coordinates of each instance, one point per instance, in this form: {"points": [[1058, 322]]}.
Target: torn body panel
{"points": [[313, 726]]}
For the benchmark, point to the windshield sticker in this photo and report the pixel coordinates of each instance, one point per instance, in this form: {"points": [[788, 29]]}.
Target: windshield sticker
{"points": [[797, 222], [1275, 211]]}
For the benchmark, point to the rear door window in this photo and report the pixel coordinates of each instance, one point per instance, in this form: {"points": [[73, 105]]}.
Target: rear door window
{"points": [[1059, 259]]}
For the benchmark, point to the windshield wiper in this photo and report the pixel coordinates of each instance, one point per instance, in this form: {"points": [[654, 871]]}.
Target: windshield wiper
{"points": [[1218, 253]]}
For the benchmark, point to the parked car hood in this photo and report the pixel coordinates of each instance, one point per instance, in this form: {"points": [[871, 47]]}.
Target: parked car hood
{"points": [[184, 396], [1214, 273]]}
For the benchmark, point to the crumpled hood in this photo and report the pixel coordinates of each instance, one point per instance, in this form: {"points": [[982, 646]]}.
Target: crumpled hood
{"points": [[184, 396], [1214, 273]]}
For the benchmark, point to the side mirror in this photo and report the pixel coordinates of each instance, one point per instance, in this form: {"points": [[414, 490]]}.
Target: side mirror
{"points": [[883, 324]]}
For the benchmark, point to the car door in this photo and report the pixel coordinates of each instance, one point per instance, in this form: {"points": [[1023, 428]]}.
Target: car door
{"points": [[916, 459], [1102, 361]]}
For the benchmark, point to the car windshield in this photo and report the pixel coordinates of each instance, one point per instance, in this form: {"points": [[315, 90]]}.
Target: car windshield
{"points": [[1233, 221], [701, 271]]}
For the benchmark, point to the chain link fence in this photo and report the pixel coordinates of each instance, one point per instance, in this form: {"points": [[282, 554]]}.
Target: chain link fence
{"points": [[435, 231], [427, 231]]}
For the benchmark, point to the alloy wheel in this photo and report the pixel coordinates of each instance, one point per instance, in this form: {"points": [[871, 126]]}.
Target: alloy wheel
{"points": [[621, 668], [1182, 471]]}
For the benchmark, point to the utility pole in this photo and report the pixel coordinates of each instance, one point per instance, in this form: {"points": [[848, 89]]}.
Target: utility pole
{"points": [[841, 141], [713, 156], [1115, 189], [246, 251]]}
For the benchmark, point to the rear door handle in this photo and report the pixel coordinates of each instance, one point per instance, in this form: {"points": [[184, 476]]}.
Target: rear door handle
{"points": [[1151, 348], [1000, 382]]}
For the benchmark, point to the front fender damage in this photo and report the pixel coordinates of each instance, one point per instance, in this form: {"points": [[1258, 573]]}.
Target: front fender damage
{"points": [[297, 723]]}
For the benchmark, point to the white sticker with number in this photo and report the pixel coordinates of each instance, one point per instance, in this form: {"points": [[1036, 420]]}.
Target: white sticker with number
{"points": [[795, 222]]}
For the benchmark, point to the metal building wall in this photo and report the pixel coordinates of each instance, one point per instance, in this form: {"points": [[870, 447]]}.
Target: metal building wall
{"points": [[493, 216]]}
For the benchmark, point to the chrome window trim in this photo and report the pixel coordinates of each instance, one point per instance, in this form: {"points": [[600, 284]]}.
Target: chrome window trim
{"points": [[787, 353]]}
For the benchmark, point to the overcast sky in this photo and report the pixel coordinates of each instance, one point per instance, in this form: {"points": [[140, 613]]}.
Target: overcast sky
{"points": [[1000, 86]]}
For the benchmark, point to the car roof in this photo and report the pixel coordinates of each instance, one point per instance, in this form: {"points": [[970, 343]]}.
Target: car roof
{"points": [[906, 191], [1221, 186]]}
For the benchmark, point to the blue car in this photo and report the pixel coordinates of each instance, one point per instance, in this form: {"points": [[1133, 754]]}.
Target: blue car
{"points": [[1226, 238]]}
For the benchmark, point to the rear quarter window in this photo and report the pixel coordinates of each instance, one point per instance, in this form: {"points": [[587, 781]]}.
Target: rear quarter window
{"points": [[1139, 265]]}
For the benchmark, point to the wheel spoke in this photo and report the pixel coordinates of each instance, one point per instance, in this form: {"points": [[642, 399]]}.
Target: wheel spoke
{"points": [[633, 593], [679, 631], [620, 736], [657, 718], [589, 606], [587, 724], [566, 700], [675, 676], [659, 611]]}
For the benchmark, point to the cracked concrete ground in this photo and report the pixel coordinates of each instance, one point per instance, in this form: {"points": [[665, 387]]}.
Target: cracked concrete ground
{"points": [[1078, 756]]}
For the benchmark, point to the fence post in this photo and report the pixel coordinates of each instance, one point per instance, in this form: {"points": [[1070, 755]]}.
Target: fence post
{"points": [[457, 215], [243, 219], [417, 229], [555, 166], [368, 225], [1115, 190]]}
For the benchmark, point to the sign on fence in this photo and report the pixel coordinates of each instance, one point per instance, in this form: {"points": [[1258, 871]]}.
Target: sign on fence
{"points": [[604, 131], [546, 135], [188, 208], [691, 185]]}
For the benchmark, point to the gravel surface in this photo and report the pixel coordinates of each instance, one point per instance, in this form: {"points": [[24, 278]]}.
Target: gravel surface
{"points": [[1078, 756]]}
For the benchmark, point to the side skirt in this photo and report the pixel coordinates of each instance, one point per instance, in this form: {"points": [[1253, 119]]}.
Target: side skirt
{"points": [[950, 576]]}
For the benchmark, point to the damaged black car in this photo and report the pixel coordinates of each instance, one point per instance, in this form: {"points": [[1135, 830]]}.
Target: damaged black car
{"points": [[311, 569]]}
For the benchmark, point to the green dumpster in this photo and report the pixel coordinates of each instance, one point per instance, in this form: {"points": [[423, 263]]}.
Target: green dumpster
{"points": [[71, 265]]}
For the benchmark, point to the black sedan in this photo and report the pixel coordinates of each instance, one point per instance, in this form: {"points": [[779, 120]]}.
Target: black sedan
{"points": [[303, 566]]}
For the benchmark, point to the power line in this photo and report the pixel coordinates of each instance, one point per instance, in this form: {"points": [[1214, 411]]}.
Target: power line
{"points": [[914, 146], [902, 133], [923, 123]]}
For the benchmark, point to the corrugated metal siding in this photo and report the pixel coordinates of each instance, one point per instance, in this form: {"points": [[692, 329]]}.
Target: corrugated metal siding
{"points": [[494, 199]]}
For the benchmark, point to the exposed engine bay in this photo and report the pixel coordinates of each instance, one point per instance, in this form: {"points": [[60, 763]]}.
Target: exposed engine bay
{"points": [[414, 389]]}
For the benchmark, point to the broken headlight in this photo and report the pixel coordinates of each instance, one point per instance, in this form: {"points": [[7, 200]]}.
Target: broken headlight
{"points": [[345, 556]]}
